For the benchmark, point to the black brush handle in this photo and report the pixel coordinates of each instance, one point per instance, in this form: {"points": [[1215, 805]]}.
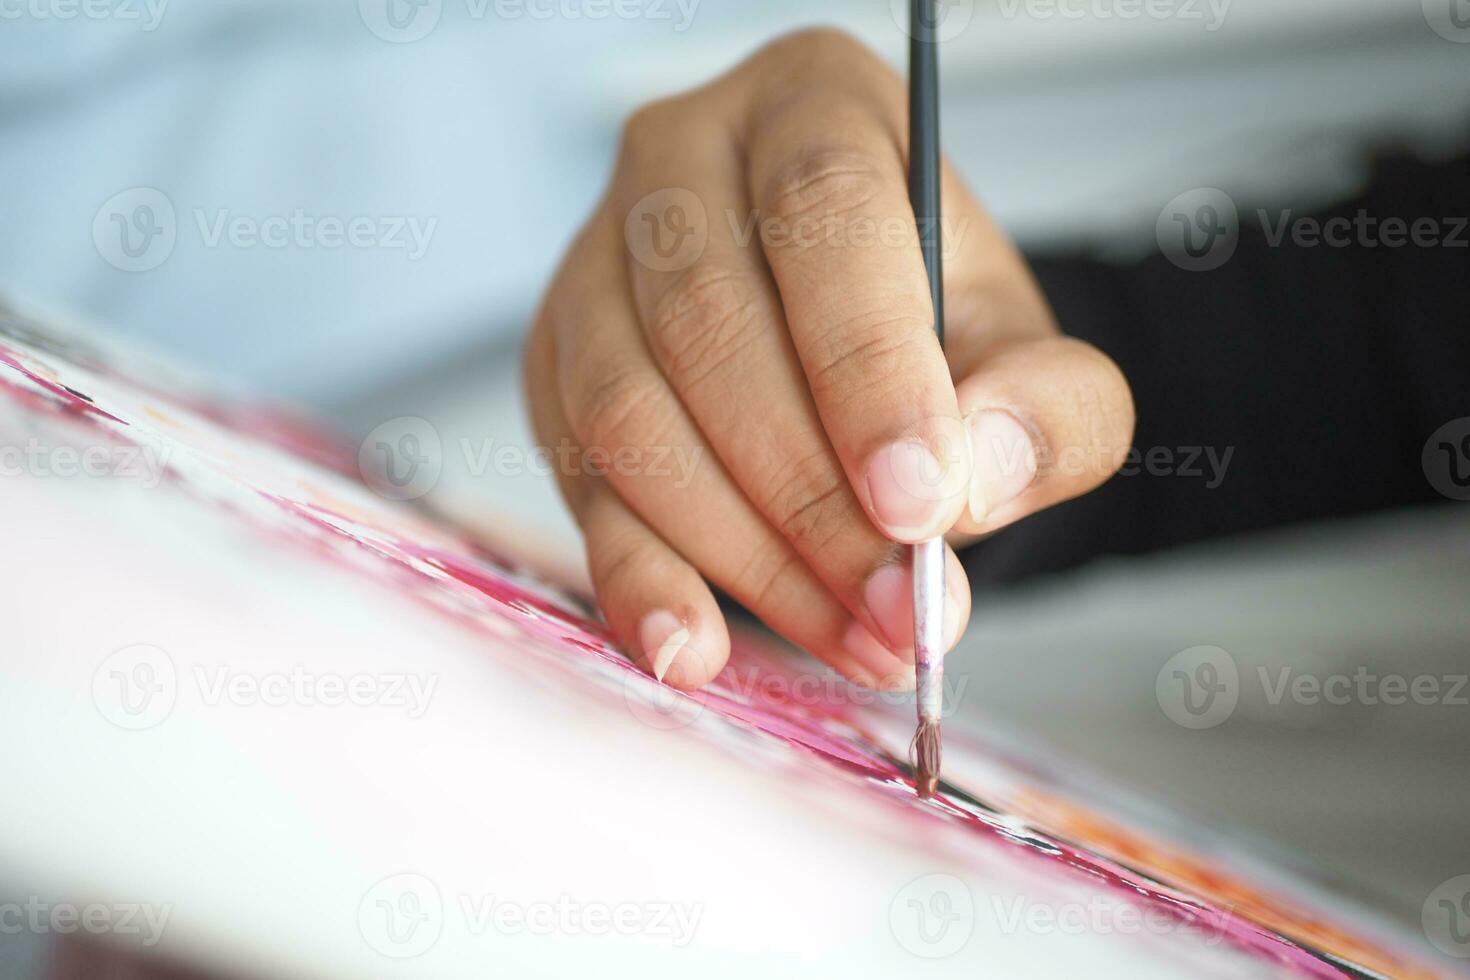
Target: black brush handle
{"points": [[924, 144]]}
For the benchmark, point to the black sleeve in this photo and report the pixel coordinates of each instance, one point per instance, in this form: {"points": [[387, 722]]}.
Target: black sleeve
{"points": [[1321, 370]]}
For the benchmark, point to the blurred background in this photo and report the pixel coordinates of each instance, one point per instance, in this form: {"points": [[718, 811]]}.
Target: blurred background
{"points": [[354, 204]]}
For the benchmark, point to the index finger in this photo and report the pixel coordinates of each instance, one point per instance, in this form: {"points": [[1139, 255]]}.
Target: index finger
{"points": [[829, 182]]}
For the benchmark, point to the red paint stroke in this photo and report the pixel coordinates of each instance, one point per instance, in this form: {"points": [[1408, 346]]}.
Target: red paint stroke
{"points": [[465, 581]]}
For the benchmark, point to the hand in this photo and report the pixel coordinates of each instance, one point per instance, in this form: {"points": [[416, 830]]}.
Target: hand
{"points": [[737, 360]]}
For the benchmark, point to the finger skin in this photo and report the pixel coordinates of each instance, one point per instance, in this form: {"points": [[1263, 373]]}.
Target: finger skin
{"points": [[647, 591], [613, 396], [1051, 419], [805, 365], [826, 169], [718, 333]]}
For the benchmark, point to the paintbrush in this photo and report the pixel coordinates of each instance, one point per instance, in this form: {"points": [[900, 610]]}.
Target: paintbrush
{"points": [[928, 556]]}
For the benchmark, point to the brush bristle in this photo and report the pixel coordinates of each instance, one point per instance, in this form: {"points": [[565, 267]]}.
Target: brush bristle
{"points": [[926, 759]]}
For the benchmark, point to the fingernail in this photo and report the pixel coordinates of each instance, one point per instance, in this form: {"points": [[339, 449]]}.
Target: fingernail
{"points": [[951, 620], [890, 600], [663, 637], [1004, 461], [910, 490], [874, 655], [900, 681], [889, 597]]}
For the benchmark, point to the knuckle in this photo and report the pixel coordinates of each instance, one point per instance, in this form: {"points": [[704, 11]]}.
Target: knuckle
{"points": [[870, 350], [808, 505], [649, 125], [817, 46], [1104, 397], [823, 184], [1103, 406], [620, 556], [706, 316], [765, 574], [607, 409]]}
